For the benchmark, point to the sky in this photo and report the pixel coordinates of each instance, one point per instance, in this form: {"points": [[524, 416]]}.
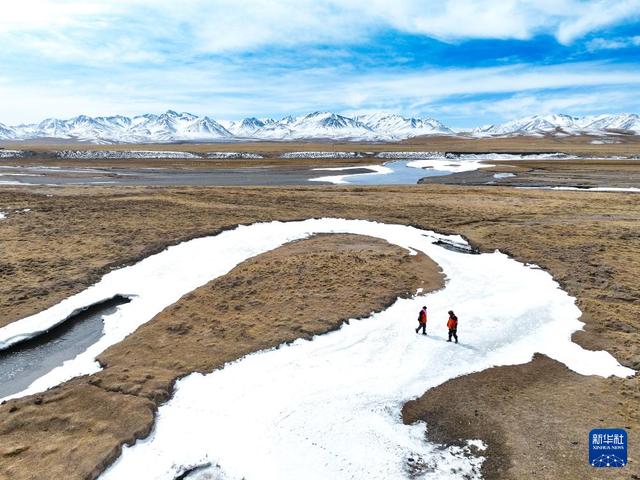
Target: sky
{"points": [[464, 62]]}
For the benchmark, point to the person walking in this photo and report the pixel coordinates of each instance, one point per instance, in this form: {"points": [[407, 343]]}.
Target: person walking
{"points": [[452, 325], [422, 321]]}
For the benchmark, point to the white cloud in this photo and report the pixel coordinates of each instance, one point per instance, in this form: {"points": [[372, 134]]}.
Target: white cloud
{"points": [[121, 30], [476, 112], [65, 57], [225, 91], [596, 15], [596, 44]]}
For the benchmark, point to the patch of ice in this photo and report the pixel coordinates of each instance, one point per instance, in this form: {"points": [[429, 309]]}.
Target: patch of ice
{"points": [[11, 182], [410, 155], [471, 156], [343, 179], [450, 165], [11, 153], [477, 444], [21, 175], [119, 154], [503, 175], [3, 215], [321, 155], [231, 155]]}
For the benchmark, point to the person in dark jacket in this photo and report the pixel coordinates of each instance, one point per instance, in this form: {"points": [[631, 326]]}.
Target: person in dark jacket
{"points": [[452, 325], [422, 321]]}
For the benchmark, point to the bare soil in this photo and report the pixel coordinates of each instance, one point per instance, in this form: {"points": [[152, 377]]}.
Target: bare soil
{"points": [[588, 241]]}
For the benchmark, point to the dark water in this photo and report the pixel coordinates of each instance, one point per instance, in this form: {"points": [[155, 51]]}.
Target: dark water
{"points": [[41, 175], [27, 361]]}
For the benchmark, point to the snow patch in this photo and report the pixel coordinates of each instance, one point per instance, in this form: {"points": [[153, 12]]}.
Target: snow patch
{"points": [[321, 155], [118, 154], [344, 179], [503, 175], [11, 153], [477, 444], [231, 155], [450, 165], [472, 156]]}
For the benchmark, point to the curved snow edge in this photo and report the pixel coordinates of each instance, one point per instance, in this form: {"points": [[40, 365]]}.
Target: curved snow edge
{"points": [[161, 279]]}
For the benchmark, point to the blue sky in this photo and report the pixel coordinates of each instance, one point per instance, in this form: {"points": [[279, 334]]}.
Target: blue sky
{"points": [[463, 62]]}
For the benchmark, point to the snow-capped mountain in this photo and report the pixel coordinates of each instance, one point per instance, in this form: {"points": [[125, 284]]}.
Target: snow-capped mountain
{"points": [[167, 127], [564, 125], [625, 121], [330, 125], [172, 126], [252, 127], [402, 127], [6, 132]]}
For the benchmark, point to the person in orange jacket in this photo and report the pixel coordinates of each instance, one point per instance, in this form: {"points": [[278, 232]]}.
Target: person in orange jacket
{"points": [[422, 321], [452, 325]]}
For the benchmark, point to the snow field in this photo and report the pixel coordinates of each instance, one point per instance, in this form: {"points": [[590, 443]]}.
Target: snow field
{"points": [[330, 407], [321, 155], [226, 155], [116, 154], [11, 153]]}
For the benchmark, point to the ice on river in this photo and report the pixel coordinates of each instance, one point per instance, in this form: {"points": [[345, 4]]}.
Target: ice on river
{"points": [[399, 171], [330, 407]]}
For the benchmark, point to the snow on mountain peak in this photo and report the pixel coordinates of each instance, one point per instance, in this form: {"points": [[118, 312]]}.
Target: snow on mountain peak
{"points": [[561, 124], [400, 126], [173, 126], [5, 132]]}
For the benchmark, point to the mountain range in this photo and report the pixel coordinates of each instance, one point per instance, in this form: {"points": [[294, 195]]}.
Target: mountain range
{"points": [[172, 126]]}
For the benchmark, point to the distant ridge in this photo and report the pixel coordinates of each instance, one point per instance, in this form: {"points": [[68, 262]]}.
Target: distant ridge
{"points": [[564, 125], [172, 126]]}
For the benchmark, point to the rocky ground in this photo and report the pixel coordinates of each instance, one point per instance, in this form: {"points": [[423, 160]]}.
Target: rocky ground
{"points": [[71, 236]]}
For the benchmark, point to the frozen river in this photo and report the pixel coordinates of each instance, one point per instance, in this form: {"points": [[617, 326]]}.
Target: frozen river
{"points": [[329, 407]]}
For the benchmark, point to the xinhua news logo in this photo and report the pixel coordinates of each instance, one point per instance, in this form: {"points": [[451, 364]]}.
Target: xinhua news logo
{"points": [[608, 448]]}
